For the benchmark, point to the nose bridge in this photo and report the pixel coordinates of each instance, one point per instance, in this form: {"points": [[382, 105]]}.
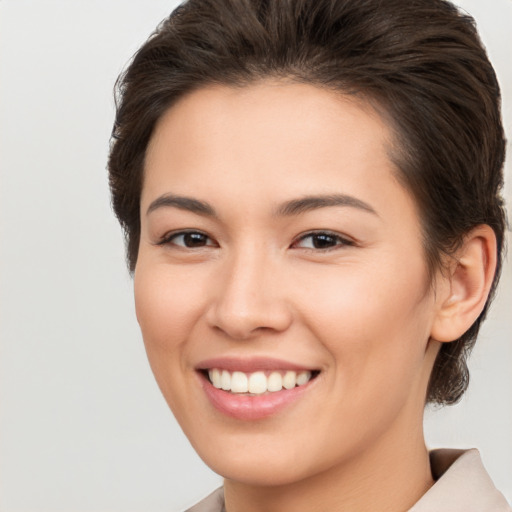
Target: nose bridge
{"points": [[249, 298]]}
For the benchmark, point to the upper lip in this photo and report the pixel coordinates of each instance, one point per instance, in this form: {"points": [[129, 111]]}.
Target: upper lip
{"points": [[249, 365]]}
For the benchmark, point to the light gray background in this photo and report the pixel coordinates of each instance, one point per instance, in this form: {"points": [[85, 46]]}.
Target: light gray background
{"points": [[83, 426]]}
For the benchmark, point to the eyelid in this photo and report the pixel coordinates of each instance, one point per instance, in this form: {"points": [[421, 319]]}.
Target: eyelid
{"points": [[343, 239], [169, 236]]}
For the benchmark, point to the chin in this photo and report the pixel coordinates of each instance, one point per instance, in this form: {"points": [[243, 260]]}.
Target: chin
{"points": [[260, 461], [261, 472]]}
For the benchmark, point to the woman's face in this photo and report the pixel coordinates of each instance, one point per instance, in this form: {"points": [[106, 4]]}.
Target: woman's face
{"points": [[279, 254]]}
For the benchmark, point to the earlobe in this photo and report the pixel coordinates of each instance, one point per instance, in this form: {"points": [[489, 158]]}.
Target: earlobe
{"points": [[465, 285]]}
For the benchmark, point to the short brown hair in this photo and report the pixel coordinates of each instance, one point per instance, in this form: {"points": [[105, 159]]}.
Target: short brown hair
{"points": [[420, 61]]}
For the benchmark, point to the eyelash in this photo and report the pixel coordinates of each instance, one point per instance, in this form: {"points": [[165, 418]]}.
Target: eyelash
{"points": [[170, 237], [338, 240]]}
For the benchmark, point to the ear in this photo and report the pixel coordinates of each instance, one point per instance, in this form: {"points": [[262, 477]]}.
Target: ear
{"points": [[463, 288]]}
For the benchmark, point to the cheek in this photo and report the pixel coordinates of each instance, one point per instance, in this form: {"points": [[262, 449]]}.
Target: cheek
{"points": [[165, 303], [167, 306], [359, 299], [374, 321]]}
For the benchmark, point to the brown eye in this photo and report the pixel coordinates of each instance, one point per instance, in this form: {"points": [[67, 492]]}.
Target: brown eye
{"points": [[321, 240], [195, 240], [189, 239]]}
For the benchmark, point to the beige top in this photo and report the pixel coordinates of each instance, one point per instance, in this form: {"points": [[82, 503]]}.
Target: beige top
{"points": [[462, 485]]}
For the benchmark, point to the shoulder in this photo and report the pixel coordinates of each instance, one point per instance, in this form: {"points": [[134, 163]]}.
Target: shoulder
{"points": [[214, 502], [462, 484]]}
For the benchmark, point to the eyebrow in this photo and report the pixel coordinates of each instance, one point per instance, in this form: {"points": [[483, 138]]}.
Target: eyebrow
{"points": [[183, 203], [289, 208], [308, 203]]}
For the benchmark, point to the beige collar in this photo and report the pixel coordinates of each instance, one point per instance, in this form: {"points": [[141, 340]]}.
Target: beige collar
{"points": [[462, 485]]}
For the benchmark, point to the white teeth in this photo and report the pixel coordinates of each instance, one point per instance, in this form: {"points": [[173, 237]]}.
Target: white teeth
{"points": [[303, 377], [257, 383], [225, 380], [289, 380], [215, 378], [275, 382], [239, 383]]}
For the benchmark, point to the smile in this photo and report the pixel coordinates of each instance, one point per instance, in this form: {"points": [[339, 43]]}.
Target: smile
{"points": [[254, 389], [259, 382]]}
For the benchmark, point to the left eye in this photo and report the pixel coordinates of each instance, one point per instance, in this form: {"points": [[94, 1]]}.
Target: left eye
{"points": [[188, 239], [321, 240]]}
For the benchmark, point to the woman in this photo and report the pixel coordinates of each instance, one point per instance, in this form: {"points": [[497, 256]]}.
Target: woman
{"points": [[310, 192]]}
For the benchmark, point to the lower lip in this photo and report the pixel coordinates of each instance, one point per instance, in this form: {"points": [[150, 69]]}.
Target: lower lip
{"points": [[250, 408]]}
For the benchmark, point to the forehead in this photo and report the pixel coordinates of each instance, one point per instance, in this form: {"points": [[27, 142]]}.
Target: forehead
{"points": [[276, 137], [270, 108]]}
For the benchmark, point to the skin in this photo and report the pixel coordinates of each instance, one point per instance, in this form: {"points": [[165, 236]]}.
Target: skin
{"points": [[361, 310]]}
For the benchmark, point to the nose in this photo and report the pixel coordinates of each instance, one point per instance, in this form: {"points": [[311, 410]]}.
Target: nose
{"points": [[249, 299]]}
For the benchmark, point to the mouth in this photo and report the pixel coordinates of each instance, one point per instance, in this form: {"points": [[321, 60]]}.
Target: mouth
{"points": [[254, 389], [258, 382]]}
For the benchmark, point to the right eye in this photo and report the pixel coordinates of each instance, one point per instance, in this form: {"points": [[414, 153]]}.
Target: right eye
{"points": [[188, 239]]}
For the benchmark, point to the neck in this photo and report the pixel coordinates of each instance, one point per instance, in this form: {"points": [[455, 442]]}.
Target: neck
{"points": [[391, 476]]}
